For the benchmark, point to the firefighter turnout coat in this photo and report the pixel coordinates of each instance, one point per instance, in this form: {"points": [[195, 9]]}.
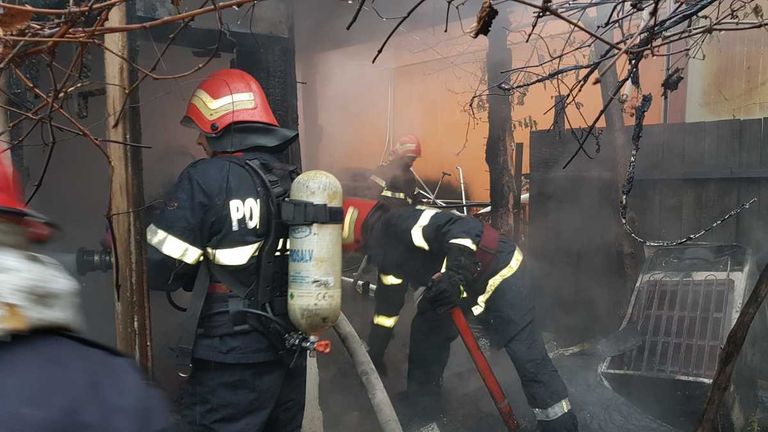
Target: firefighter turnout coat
{"points": [[54, 381], [415, 243], [220, 214], [412, 243], [394, 183]]}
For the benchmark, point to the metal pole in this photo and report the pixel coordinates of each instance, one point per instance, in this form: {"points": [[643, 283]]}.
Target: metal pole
{"points": [[359, 271], [360, 285], [667, 66], [440, 183], [485, 371], [5, 133], [428, 192], [126, 196], [463, 191]]}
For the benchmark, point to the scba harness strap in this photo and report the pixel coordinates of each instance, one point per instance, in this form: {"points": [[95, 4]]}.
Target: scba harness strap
{"points": [[261, 291], [288, 212], [186, 341], [277, 178], [486, 250], [297, 212]]}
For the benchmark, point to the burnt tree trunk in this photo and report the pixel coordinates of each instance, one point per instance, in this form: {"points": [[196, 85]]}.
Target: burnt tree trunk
{"points": [[499, 58], [517, 205], [617, 136], [729, 354]]}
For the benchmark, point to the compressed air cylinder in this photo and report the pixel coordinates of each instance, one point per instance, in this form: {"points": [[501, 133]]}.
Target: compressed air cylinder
{"points": [[314, 268]]}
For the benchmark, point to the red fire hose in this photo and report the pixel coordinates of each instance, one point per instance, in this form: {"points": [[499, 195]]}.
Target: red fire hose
{"points": [[484, 369]]}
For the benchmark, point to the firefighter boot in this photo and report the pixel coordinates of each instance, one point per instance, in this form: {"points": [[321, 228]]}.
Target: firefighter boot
{"points": [[565, 423], [421, 406]]}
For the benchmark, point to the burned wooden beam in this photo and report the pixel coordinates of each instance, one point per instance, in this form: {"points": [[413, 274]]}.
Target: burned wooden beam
{"points": [[126, 194]]}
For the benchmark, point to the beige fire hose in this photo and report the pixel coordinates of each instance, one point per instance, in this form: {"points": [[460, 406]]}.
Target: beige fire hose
{"points": [[382, 406]]}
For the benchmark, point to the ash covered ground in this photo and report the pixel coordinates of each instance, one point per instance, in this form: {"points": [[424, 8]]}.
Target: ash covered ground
{"points": [[467, 405]]}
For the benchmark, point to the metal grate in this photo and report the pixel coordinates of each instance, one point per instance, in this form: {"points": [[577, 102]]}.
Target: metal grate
{"points": [[683, 321]]}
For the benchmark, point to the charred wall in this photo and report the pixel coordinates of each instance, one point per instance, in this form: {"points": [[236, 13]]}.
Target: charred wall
{"points": [[689, 175]]}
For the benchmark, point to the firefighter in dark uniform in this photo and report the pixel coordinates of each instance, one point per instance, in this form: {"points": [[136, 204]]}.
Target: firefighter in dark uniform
{"points": [[220, 237], [463, 262], [54, 380], [395, 185], [394, 182]]}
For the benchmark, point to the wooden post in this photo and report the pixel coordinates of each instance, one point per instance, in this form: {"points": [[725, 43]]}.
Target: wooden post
{"points": [[126, 196], [517, 205], [5, 133]]}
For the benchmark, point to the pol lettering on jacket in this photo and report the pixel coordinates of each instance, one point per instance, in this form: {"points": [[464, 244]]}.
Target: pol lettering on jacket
{"points": [[250, 210]]}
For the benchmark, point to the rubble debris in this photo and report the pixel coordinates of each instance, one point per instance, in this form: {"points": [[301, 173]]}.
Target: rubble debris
{"points": [[485, 17], [637, 133], [13, 20], [672, 81]]}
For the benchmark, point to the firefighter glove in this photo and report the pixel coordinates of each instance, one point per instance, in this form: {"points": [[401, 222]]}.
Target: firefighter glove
{"points": [[444, 291], [461, 259]]}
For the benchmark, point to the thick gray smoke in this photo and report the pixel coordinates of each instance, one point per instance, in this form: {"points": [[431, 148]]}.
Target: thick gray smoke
{"points": [[349, 110]]}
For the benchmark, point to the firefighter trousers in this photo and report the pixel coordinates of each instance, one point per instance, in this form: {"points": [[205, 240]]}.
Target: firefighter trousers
{"points": [[390, 297], [253, 397], [508, 320]]}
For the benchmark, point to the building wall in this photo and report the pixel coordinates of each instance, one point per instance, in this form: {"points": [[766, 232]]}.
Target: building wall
{"points": [[75, 189], [422, 84], [732, 81]]}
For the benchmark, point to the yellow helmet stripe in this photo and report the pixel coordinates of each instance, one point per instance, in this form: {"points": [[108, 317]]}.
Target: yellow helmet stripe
{"points": [[213, 108]]}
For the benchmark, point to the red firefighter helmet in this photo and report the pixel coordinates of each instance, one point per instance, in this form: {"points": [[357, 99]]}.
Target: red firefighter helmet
{"points": [[355, 212], [407, 146], [14, 209], [232, 110]]}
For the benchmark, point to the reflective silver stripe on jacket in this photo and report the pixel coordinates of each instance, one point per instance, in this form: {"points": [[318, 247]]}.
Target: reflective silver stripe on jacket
{"points": [[390, 279], [397, 195], [172, 246], [464, 242], [553, 412], [494, 282], [385, 321], [378, 180], [233, 256], [283, 250], [417, 232]]}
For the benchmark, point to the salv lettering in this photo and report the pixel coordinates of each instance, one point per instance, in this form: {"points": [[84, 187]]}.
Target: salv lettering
{"points": [[302, 255]]}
